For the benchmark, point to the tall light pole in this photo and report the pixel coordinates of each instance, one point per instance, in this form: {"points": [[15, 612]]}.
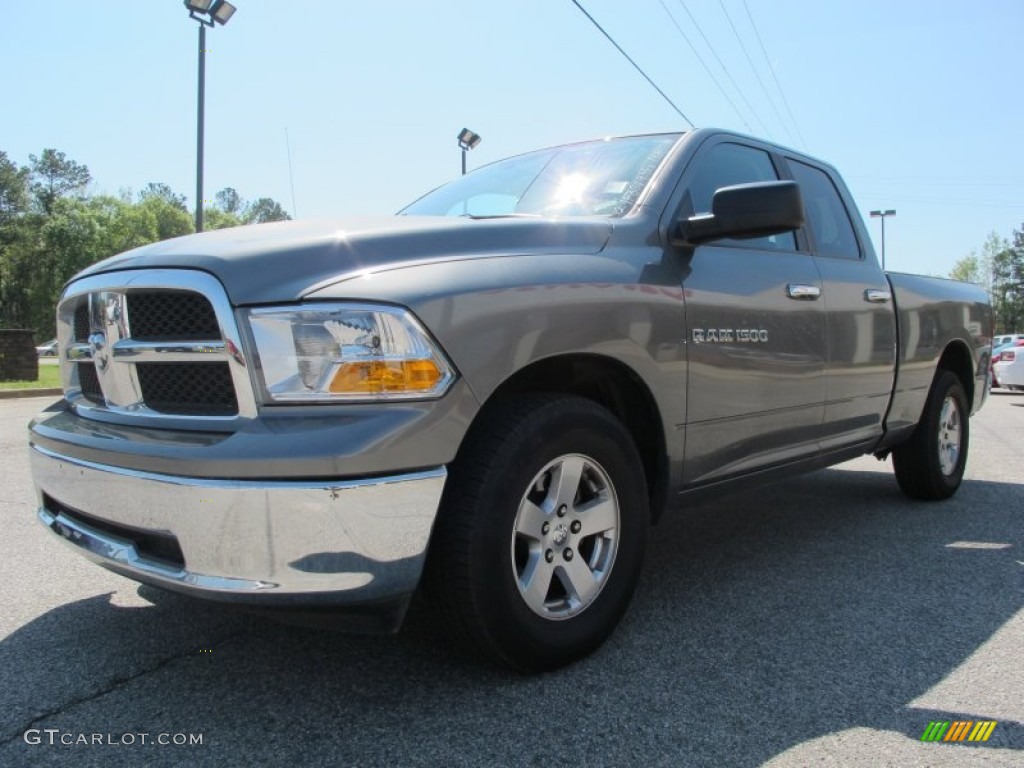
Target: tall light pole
{"points": [[219, 12], [467, 141], [881, 215]]}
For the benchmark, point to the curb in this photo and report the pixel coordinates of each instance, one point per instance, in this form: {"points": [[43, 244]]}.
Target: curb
{"points": [[11, 394]]}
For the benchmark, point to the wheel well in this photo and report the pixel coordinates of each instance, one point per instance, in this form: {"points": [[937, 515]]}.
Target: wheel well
{"points": [[614, 386], [957, 360]]}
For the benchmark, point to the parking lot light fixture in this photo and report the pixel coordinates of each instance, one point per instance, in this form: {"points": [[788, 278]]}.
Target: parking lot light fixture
{"points": [[206, 12], [198, 6], [467, 141], [222, 11], [882, 215]]}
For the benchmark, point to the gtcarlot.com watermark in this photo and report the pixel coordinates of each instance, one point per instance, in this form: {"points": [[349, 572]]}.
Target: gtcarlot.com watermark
{"points": [[55, 736]]}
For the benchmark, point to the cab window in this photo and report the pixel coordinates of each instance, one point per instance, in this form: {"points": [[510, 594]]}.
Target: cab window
{"points": [[726, 165]]}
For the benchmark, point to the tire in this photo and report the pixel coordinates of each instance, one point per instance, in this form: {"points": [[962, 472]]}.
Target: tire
{"points": [[542, 531], [930, 465]]}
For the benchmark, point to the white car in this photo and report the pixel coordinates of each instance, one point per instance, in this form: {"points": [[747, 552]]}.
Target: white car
{"points": [[1010, 368], [1006, 338]]}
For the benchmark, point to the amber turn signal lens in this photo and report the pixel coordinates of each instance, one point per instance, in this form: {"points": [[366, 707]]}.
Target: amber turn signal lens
{"points": [[386, 376]]}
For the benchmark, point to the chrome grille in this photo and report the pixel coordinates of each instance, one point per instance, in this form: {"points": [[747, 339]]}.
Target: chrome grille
{"points": [[153, 345]]}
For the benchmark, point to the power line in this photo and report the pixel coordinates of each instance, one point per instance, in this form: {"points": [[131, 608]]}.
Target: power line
{"points": [[725, 69], [635, 65], [750, 61], [775, 77], [703, 64], [1009, 180]]}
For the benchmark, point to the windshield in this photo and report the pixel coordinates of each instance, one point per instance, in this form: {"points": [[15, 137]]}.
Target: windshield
{"points": [[599, 178]]}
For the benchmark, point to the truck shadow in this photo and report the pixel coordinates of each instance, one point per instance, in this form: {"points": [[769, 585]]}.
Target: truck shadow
{"points": [[764, 620]]}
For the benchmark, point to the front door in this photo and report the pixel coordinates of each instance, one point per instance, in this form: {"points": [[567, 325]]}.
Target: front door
{"points": [[755, 334]]}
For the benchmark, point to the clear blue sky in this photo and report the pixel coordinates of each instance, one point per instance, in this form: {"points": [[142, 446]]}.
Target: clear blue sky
{"points": [[916, 102]]}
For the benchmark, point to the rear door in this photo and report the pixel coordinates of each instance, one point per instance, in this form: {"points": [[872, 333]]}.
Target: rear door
{"points": [[860, 316], [755, 332]]}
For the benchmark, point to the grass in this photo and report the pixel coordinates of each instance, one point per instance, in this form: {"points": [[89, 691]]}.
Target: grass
{"points": [[49, 376]]}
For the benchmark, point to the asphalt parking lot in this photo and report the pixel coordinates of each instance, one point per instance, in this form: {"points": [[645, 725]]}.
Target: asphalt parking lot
{"points": [[824, 620]]}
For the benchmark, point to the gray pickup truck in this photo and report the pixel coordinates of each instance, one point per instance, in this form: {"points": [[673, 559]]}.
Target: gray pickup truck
{"points": [[493, 395]]}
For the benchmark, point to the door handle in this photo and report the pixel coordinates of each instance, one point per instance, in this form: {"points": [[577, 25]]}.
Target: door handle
{"points": [[876, 296], [803, 292]]}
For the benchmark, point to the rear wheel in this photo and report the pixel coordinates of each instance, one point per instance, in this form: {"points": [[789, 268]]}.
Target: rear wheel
{"points": [[930, 465], [542, 532]]}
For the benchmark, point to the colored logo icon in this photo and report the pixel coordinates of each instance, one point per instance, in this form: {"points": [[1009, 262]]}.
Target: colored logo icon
{"points": [[958, 730]]}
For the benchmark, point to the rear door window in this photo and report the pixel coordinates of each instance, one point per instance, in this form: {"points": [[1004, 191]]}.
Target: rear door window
{"points": [[827, 216]]}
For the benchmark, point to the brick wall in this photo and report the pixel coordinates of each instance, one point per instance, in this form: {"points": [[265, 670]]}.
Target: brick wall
{"points": [[18, 358]]}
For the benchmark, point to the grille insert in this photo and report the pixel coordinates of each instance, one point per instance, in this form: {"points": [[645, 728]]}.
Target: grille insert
{"points": [[194, 389], [81, 329], [171, 316], [90, 383]]}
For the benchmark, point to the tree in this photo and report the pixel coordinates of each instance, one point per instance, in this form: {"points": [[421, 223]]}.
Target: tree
{"points": [[77, 233], [14, 200], [168, 210], [229, 201], [54, 176], [50, 229], [159, 191], [994, 245], [1008, 285], [218, 219], [968, 269], [263, 210], [13, 189], [998, 269], [17, 262]]}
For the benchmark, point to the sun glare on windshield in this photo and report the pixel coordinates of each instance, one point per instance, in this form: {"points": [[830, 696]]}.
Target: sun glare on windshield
{"points": [[597, 178], [571, 188]]}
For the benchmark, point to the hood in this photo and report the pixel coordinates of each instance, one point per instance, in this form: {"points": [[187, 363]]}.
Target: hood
{"points": [[285, 261]]}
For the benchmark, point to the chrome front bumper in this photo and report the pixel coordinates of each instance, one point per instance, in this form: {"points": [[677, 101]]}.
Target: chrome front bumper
{"points": [[287, 544]]}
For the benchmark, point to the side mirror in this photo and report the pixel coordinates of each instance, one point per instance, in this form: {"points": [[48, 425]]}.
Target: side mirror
{"points": [[745, 211]]}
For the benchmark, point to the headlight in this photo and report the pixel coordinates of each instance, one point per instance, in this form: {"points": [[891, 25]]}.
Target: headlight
{"points": [[346, 352]]}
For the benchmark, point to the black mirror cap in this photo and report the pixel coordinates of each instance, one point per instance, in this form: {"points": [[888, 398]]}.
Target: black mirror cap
{"points": [[742, 211]]}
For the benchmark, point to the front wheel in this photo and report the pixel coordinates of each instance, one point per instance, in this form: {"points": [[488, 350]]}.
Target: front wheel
{"points": [[542, 532], [930, 465]]}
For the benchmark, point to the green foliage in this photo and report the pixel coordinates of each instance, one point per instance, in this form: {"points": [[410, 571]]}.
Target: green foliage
{"points": [[215, 218], [50, 229], [1008, 285], [999, 268], [264, 210], [162, 192], [241, 212], [967, 269], [171, 219], [229, 201], [54, 176], [13, 189]]}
